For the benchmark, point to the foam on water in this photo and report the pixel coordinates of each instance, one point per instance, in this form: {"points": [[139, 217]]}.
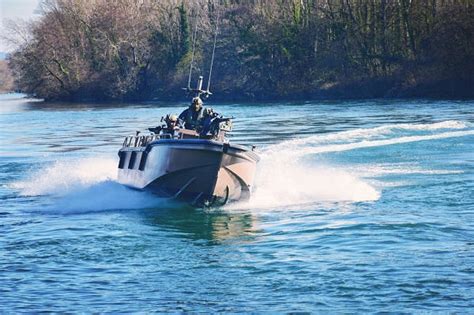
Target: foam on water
{"points": [[378, 143], [372, 137], [103, 196], [375, 170], [87, 184], [284, 178], [64, 176], [293, 184], [371, 133]]}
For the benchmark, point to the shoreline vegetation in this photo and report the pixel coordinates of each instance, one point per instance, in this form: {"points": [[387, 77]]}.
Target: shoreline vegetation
{"points": [[6, 78], [97, 50]]}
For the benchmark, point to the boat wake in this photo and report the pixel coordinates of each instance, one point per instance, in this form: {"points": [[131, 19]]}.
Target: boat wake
{"points": [[290, 173], [373, 137], [297, 171]]}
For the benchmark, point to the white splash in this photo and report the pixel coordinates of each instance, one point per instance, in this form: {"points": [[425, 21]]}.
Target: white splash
{"points": [[106, 195], [362, 135], [385, 142], [292, 184], [67, 175], [86, 184], [284, 179], [375, 170]]}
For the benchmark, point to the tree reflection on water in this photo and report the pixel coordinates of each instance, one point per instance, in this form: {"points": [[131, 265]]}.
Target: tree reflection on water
{"points": [[214, 225]]}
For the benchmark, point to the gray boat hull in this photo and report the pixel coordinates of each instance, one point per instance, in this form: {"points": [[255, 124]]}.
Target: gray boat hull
{"points": [[197, 171]]}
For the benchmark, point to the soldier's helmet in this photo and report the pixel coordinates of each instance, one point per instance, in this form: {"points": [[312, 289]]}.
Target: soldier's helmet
{"points": [[197, 101]]}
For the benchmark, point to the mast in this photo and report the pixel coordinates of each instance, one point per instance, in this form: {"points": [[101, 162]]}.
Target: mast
{"points": [[213, 53], [192, 55], [198, 90]]}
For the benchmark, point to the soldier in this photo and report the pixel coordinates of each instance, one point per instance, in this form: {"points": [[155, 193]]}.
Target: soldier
{"points": [[172, 122], [194, 116]]}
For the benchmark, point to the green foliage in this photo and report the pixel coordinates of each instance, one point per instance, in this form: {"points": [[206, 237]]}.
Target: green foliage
{"points": [[184, 30]]}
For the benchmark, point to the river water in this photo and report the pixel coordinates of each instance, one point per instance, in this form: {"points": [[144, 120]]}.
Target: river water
{"points": [[359, 206]]}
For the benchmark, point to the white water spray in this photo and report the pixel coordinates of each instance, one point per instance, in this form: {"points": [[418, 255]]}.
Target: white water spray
{"points": [[284, 178], [87, 184]]}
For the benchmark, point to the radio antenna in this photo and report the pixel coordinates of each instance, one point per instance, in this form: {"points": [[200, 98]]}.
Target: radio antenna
{"points": [[213, 53], [192, 54]]}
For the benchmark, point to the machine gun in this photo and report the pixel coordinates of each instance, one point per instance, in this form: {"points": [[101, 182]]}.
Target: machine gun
{"points": [[216, 127]]}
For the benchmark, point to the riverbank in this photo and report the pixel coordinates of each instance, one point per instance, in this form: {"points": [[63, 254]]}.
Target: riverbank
{"points": [[375, 90], [265, 50]]}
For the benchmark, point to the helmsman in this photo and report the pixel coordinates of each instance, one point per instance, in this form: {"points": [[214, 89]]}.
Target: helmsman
{"points": [[195, 115]]}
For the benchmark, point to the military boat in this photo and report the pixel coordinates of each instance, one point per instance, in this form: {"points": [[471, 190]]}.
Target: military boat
{"points": [[199, 169]]}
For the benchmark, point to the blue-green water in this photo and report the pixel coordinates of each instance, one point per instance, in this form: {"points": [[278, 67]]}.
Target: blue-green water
{"points": [[359, 206]]}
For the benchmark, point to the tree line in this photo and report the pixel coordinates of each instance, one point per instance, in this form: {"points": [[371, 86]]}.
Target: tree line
{"points": [[266, 49], [6, 78]]}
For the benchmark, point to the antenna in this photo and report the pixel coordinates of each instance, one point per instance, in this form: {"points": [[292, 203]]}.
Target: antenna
{"points": [[198, 90], [192, 56], [213, 53]]}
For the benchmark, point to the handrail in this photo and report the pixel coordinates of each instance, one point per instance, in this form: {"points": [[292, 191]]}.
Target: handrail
{"points": [[142, 141], [138, 141]]}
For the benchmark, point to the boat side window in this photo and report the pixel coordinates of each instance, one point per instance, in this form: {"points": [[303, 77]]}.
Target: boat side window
{"points": [[123, 157], [133, 158], [143, 159]]}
